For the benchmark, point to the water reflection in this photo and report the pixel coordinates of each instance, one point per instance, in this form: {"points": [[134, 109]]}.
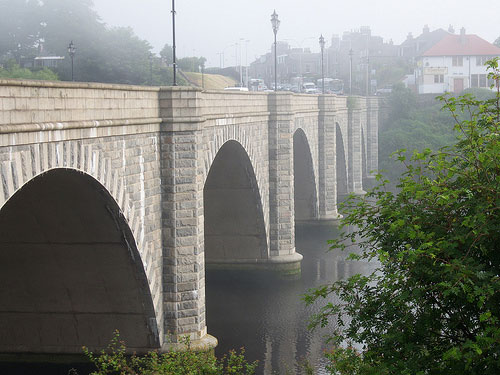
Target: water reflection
{"points": [[264, 314], [267, 316]]}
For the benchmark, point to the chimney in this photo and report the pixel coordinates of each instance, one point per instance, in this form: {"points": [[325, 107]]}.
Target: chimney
{"points": [[410, 36], [426, 29], [451, 29], [462, 35]]}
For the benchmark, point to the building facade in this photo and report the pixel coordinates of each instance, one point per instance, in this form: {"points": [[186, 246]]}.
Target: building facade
{"points": [[454, 63]]}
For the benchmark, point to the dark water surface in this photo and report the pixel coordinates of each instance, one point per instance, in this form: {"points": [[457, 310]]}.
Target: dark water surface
{"points": [[267, 316], [259, 311]]}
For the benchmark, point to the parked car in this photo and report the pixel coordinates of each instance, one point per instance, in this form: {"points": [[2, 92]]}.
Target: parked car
{"points": [[236, 89], [309, 88], [386, 90]]}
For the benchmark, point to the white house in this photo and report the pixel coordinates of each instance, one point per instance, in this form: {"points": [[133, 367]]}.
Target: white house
{"points": [[454, 63]]}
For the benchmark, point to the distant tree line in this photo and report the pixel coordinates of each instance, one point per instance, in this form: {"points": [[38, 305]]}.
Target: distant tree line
{"points": [[415, 122], [31, 28]]}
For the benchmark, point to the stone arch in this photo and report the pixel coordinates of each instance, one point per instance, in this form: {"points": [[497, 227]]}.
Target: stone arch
{"points": [[36, 159], [305, 185], [341, 167], [256, 149], [70, 270], [32, 160], [234, 221]]}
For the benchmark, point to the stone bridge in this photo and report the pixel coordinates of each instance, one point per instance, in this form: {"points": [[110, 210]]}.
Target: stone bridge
{"points": [[114, 198]]}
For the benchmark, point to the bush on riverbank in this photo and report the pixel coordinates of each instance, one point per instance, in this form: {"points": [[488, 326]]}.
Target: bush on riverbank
{"points": [[433, 304], [12, 70], [114, 361]]}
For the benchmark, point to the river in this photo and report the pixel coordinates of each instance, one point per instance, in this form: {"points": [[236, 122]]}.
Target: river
{"points": [[261, 312], [266, 315]]}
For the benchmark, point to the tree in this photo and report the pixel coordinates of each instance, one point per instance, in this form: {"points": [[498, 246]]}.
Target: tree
{"points": [[191, 64], [13, 70], [433, 304], [167, 54], [20, 32], [103, 54], [411, 125]]}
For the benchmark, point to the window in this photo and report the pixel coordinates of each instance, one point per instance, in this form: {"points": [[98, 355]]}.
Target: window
{"points": [[474, 80], [482, 80], [438, 78], [457, 60], [481, 60], [478, 80]]}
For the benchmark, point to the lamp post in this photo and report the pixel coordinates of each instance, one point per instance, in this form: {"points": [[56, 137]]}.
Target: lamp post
{"points": [[322, 45], [202, 75], [351, 52], [241, 65], [276, 25], [72, 51], [367, 74], [150, 69], [244, 82], [174, 62]]}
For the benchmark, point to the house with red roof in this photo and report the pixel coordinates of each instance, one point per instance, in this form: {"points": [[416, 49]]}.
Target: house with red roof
{"points": [[454, 63]]}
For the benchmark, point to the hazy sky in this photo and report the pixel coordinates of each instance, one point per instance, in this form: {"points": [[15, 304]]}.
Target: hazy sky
{"points": [[211, 27]]}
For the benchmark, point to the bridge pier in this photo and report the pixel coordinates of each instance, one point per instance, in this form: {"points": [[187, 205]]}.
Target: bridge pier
{"points": [[281, 182], [156, 154], [357, 107], [327, 159], [372, 112], [182, 219]]}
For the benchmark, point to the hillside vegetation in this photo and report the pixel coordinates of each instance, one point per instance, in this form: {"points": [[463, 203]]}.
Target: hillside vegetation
{"points": [[211, 81]]}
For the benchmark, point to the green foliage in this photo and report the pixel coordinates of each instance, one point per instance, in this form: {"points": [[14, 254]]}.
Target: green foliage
{"points": [[114, 360], [433, 304], [191, 64], [390, 74], [167, 54], [14, 71], [411, 126], [103, 54]]}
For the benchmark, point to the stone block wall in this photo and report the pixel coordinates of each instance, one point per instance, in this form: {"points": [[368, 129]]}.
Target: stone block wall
{"points": [[108, 132], [152, 149]]}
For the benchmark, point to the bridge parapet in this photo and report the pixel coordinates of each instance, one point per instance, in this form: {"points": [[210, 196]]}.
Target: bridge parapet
{"points": [[218, 104], [153, 149]]}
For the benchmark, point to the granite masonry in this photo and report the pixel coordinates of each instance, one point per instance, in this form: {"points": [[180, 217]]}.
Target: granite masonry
{"points": [[113, 199]]}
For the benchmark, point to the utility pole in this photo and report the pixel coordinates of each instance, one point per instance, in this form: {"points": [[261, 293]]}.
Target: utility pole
{"points": [[221, 59]]}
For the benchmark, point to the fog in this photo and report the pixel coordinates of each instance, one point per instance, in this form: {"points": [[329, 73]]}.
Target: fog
{"points": [[210, 28]]}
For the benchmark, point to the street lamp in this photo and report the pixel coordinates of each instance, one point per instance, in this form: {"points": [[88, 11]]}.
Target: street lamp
{"points": [[72, 51], [322, 45], [203, 75], [150, 69], [174, 62], [276, 25], [351, 52], [243, 40]]}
